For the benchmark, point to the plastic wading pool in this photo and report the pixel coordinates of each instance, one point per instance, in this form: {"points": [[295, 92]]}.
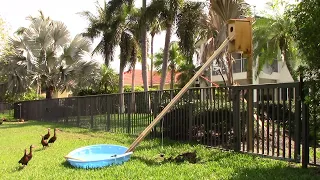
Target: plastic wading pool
{"points": [[98, 156]]}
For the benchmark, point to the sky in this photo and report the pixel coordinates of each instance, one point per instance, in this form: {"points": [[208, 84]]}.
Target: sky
{"points": [[14, 13]]}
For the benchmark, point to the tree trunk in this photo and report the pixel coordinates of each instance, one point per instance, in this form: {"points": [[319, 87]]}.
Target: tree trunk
{"points": [[151, 75], [165, 56], [144, 50], [49, 92], [121, 98], [287, 62]]}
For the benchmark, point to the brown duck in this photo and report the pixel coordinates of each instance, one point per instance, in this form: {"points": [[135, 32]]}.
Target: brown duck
{"points": [[25, 159], [45, 137], [44, 142], [54, 137], [30, 153]]}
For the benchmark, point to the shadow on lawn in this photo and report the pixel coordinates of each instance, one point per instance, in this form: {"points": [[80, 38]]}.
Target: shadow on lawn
{"points": [[67, 165], [8, 125], [277, 172]]}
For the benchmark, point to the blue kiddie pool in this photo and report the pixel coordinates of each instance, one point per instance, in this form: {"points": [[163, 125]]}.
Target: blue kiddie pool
{"points": [[98, 156]]}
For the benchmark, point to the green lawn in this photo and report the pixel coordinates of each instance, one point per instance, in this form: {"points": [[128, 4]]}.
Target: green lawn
{"points": [[144, 164]]}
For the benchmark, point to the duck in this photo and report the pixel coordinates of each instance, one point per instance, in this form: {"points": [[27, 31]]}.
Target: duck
{"points": [[54, 137], [44, 142], [46, 136], [25, 159], [30, 153]]}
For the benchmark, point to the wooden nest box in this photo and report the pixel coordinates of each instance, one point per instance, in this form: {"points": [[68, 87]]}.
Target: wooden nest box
{"points": [[242, 31]]}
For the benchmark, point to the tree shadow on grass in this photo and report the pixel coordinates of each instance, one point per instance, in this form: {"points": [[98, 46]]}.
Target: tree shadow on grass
{"points": [[277, 172], [51, 125]]}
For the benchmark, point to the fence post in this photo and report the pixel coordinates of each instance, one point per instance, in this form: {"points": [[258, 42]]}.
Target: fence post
{"points": [[78, 112], [155, 109], [190, 105], [91, 113], [298, 103], [129, 111], [236, 119], [305, 125], [108, 113]]}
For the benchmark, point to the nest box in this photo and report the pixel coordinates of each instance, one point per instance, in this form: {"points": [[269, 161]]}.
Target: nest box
{"points": [[242, 31]]}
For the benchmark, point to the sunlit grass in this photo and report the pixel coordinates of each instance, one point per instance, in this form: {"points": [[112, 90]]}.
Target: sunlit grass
{"points": [[144, 164]]}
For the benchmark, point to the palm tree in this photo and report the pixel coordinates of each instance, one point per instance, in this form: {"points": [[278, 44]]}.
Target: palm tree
{"points": [[272, 39], [109, 80], [188, 27], [112, 23], [166, 10], [155, 27], [108, 24], [144, 51], [176, 60], [129, 47], [45, 56], [214, 30]]}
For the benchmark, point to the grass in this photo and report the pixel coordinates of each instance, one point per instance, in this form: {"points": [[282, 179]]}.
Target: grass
{"points": [[144, 164]]}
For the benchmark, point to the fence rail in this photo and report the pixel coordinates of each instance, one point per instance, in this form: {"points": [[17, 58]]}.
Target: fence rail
{"points": [[214, 116]]}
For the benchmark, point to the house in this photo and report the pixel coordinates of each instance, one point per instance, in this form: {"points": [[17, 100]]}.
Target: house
{"points": [[277, 72], [156, 78]]}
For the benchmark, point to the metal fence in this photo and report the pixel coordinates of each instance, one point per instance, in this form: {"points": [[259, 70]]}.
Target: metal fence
{"points": [[311, 122], [217, 117]]}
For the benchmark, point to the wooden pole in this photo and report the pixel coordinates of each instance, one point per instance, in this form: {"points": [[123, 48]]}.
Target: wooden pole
{"points": [[179, 95]]}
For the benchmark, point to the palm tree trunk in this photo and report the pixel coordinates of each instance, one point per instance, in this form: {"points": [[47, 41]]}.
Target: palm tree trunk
{"points": [[151, 75], [121, 98], [165, 56], [286, 60], [49, 92], [144, 50]]}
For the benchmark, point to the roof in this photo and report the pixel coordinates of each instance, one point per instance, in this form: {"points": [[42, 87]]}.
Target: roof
{"points": [[127, 77]]}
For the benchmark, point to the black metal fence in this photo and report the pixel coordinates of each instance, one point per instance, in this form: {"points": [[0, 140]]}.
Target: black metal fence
{"points": [[260, 119], [310, 129]]}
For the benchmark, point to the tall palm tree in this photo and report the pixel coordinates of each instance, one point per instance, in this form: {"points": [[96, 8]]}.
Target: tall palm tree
{"points": [[166, 10], [155, 27], [108, 24], [129, 47], [188, 27], [176, 60], [46, 56], [272, 39], [144, 51]]}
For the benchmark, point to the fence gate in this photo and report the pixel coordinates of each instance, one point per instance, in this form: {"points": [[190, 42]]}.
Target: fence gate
{"points": [[276, 126], [311, 123]]}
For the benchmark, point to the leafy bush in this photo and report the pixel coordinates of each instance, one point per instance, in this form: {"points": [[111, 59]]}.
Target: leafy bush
{"points": [[89, 92], [136, 89], [279, 113], [27, 96], [204, 124]]}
